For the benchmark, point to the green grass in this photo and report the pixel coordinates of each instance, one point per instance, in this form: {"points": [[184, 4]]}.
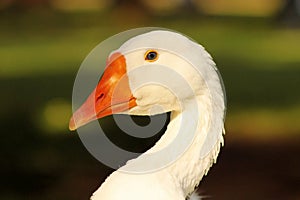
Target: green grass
{"points": [[46, 47]]}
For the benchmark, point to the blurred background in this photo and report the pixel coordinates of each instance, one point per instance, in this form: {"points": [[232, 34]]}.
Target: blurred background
{"points": [[255, 43]]}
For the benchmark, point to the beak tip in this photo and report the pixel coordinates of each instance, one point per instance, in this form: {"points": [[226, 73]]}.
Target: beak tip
{"points": [[72, 125]]}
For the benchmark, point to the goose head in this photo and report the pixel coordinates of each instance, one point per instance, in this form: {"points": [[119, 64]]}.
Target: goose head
{"points": [[152, 73]]}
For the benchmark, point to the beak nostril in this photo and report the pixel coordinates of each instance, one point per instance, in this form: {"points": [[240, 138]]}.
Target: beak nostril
{"points": [[100, 97]]}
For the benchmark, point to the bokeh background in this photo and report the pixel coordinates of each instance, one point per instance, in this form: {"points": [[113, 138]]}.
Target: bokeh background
{"points": [[255, 43]]}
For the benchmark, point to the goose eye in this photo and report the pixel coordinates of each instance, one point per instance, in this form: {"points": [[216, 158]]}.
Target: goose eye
{"points": [[151, 55]]}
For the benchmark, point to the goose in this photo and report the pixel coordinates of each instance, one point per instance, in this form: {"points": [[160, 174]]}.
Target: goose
{"points": [[152, 73]]}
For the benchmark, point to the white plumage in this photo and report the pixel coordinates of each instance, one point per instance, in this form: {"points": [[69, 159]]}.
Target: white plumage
{"points": [[191, 88]]}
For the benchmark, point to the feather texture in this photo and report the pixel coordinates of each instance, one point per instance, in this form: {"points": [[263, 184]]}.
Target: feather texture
{"points": [[173, 167]]}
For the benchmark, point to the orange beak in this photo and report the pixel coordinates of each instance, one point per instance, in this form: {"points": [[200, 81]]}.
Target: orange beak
{"points": [[111, 95]]}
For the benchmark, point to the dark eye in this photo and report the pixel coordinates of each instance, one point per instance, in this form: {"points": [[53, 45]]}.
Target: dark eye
{"points": [[151, 55]]}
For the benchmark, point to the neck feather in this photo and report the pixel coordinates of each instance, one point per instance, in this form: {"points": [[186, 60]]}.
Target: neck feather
{"points": [[189, 146], [200, 153]]}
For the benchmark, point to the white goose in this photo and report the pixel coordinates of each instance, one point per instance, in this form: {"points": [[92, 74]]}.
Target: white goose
{"points": [[166, 69]]}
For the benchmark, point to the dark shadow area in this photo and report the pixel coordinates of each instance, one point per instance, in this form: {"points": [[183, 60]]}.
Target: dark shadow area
{"points": [[129, 142], [255, 171]]}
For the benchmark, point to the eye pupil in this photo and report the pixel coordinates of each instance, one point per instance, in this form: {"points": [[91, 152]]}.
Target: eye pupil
{"points": [[151, 55]]}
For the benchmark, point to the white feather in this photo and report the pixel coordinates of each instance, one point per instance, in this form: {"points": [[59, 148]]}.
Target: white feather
{"points": [[177, 180], [195, 196]]}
